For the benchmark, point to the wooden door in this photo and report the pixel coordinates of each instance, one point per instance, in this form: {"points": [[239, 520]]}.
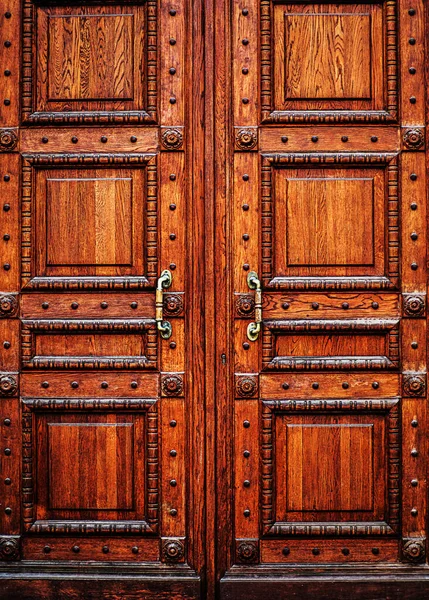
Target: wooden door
{"points": [[98, 390], [327, 462]]}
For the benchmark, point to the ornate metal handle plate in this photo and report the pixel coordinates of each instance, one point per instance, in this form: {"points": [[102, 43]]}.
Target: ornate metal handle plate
{"points": [[164, 282], [254, 328]]}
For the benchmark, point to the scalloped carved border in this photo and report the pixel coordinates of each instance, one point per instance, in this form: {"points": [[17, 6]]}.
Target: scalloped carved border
{"points": [[85, 160], [269, 115], [270, 408], [278, 161], [125, 117], [30, 522]]}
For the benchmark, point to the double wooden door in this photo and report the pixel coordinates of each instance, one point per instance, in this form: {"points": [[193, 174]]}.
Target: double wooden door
{"points": [[213, 299]]}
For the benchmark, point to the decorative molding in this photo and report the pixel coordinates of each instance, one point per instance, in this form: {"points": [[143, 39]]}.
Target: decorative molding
{"points": [[414, 385], [172, 550], [173, 305], [246, 385], [320, 363], [331, 117], [29, 424], [244, 305], [414, 550], [89, 404], [87, 117], [246, 138], [279, 161], [8, 139], [414, 305], [8, 305], [172, 138], [29, 330], [272, 408], [413, 139], [8, 384], [247, 551], [171, 384], [10, 548], [85, 283]]}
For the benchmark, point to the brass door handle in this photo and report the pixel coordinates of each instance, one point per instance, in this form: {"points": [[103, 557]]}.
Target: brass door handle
{"points": [[164, 282], [254, 328]]}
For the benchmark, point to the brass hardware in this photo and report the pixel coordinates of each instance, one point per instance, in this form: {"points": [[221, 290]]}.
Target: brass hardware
{"points": [[254, 328], [164, 327]]}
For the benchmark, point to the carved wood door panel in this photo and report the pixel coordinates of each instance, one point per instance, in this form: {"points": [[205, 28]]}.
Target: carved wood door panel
{"points": [[329, 219], [96, 421]]}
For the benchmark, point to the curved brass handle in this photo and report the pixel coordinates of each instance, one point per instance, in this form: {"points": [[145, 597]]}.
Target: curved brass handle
{"points": [[254, 328], [164, 282]]}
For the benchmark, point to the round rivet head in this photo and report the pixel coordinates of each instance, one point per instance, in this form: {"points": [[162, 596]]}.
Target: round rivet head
{"points": [[345, 305], [74, 140], [245, 100], [172, 176], [134, 384], [413, 100], [7, 15], [316, 551], [76, 549], [246, 346], [173, 452], [172, 71], [345, 551], [246, 267], [245, 42], [375, 305], [412, 12], [414, 266], [104, 385], [414, 512], [284, 139], [45, 384], [246, 424], [46, 549], [172, 266], [74, 384], [314, 305], [173, 345], [173, 483], [6, 207], [374, 138], [7, 73], [285, 305], [172, 42], [172, 207], [7, 481], [414, 453], [314, 138], [173, 423], [7, 451], [412, 70], [245, 70], [246, 513], [6, 237], [6, 267], [103, 139], [345, 385], [173, 512], [344, 138], [414, 423], [105, 549], [246, 237], [135, 550], [172, 236], [286, 551], [246, 483], [104, 305], [246, 454], [375, 385], [414, 482], [414, 345], [172, 100], [375, 551], [413, 205], [246, 177], [315, 385], [134, 305], [412, 41], [133, 139], [74, 305], [8, 44], [414, 236], [45, 140], [6, 178], [6, 102], [245, 12], [45, 305], [413, 176], [245, 207], [285, 386], [6, 345], [7, 422]]}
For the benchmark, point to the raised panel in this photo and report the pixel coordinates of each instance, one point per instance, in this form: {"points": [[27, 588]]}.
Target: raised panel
{"points": [[90, 466], [324, 62], [89, 221], [330, 467], [90, 63], [330, 221]]}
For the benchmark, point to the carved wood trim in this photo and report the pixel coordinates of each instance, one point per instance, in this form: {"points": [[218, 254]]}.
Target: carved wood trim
{"points": [[8, 305], [75, 327], [10, 548], [29, 483], [32, 161], [172, 550], [9, 384], [272, 161], [414, 385], [414, 305], [246, 385], [247, 551], [270, 408], [172, 384], [269, 115], [319, 363], [130, 117], [413, 550]]}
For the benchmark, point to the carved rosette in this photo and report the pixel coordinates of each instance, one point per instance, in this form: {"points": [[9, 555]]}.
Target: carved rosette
{"points": [[414, 306], [246, 386], [247, 551], [173, 305], [172, 139], [245, 305], [414, 139], [246, 138], [8, 139], [414, 384], [8, 305], [413, 549], [8, 385], [173, 550], [171, 385], [9, 548]]}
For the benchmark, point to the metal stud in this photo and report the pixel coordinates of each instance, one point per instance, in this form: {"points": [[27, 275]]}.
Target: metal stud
{"points": [[76, 549], [173, 100], [74, 305], [173, 483], [6, 237], [285, 305], [7, 15], [414, 512], [6, 267], [412, 41], [245, 207], [6, 178], [316, 551], [413, 205], [315, 305], [246, 483], [411, 12], [374, 138], [246, 267], [246, 513], [6, 102], [246, 454], [46, 549], [412, 70], [173, 452], [345, 551], [245, 12], [344, 138], [134, 384], [6, 345], [172, 207], [414, 266], [7, 451], [246, 237], [173, 423], [173, 12], [173, 345], [172, 42], [315, 385], [245, 71], [45, 305], [74, 140], [414, 236], [134, 305], [246, 177], [135, 550], [7, 481], [345, 305], [6, 207], [105, 549], [8, 44], [245, 42], [246, 346], [246, 424], [413, 100], [375, 551], [103, 139], [173, 512], [284, 139], [45, 140], [285, 385], [172, 71], [414, 453], [245, 100], [414, 423], [172, 176], [172, 236], [104, 385], [8, 510], [104, 305], [375, 385], [45, 384], [133, 139], [345, 385], [286, 551], [414, 345], [414, 482], [74, 385], [7, 73], [314, 138], [7, 422]]}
